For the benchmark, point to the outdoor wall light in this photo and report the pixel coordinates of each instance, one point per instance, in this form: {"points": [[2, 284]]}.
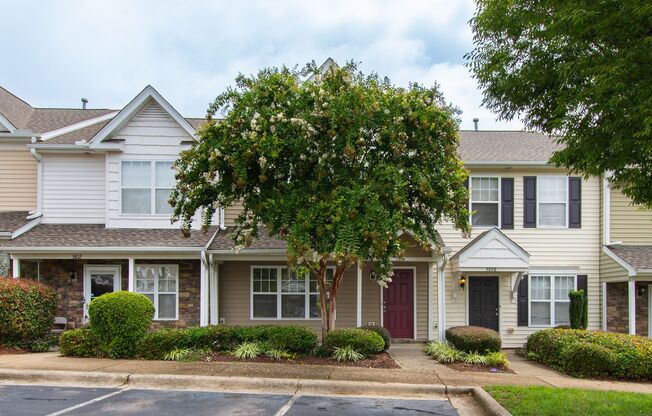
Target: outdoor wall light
{"points": [[462, 281]]}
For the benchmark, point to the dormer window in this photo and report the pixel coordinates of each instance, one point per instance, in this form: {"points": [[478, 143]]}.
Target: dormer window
{"points": [[146, 187]]}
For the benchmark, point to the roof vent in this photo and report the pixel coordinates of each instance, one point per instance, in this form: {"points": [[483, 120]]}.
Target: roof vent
{"points": [[85, 102], [475, 123]]}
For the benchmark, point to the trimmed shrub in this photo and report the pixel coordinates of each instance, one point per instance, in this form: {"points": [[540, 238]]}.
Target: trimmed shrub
{"points": [[155, 345], [578, 309], [632, 353], [294, 338], [120, 320], [588, 360], [27, 310], [384, 333], [474, 339], [79, 343], [362, 340]]}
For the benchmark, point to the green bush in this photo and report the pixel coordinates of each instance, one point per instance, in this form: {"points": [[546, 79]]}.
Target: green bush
{"points": [[79, 343], [155, 345], [578, 309], [384, 333], [27, 310], [362, 340], [632, 357], [120, 320], [588, 360], [443, 352], [293, 338], [474, 339]]}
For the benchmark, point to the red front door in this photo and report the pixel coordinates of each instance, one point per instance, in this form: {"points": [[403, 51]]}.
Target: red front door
{"points": [[398, 304]]}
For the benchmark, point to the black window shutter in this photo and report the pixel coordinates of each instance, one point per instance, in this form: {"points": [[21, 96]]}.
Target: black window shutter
{"points": [[522, 299], [529, 202], [507, 203], [575, 202], [583, 284]]}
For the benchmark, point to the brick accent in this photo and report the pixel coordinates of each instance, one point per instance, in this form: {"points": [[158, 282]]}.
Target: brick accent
{"points": [[66, 277], [618, 305]]}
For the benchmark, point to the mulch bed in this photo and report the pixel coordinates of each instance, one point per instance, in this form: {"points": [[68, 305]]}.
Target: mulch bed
{"points": [[11, 350], [382, 360], [479, 368]]}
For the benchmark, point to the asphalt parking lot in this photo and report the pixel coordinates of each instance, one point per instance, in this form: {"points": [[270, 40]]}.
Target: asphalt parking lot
{"points": [[74, 401]]}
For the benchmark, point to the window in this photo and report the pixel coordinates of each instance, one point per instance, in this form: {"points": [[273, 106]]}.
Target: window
{"points": [[160, 283], [552, 200], [278, 293], [549, 302], [146, 187], [485, 201]]}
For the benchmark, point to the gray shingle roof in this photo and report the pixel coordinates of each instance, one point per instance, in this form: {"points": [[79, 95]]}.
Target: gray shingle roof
{"points": [[92, 235], [223, 241], [48, 119], [10, 221], [639, 257], [506, 146], [14, 109], [85, 133]]}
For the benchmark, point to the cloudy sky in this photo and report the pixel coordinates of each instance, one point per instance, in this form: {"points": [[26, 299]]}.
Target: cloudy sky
{"points": [[56, 52]]}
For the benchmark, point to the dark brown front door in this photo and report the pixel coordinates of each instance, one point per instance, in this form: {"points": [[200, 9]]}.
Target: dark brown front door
{"points": [[398, 304], [483, 301]]}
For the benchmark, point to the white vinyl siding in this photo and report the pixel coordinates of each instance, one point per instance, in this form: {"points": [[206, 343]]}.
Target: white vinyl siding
{"points": [[278, 293], [73, 188], [160, 283], [485, 201], [552, 201]]}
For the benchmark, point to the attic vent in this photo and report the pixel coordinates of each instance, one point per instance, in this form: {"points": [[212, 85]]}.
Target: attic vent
{"points": [[84, 103], [475, 123]]}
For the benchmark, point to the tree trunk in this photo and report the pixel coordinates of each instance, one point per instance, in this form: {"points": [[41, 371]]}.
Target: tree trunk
{"points": [[328, 298]]}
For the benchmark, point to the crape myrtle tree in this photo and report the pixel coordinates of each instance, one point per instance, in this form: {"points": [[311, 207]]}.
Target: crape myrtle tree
{"points": [[338, 166], [577, 69]]}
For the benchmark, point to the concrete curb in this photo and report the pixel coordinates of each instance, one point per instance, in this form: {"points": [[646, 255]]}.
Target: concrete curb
{"points": [[238, 384]]}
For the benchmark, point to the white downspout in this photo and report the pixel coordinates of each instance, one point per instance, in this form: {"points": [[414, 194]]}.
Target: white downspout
{"points": [[39, 183]]}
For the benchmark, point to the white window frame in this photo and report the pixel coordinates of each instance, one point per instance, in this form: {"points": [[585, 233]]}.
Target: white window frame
{"points": [[152, 187], [156, 292], [565, 202], [498, 203], [279, 294], [552, 300]]}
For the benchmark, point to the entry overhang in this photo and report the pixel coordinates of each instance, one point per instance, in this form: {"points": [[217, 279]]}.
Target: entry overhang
{"points": [[491, 251]]}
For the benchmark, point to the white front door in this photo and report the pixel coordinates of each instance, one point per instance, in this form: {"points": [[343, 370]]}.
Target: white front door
{"points": [[99, 280]]}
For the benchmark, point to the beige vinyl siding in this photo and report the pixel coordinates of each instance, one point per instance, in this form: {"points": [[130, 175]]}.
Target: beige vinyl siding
{"points": [[548, 248], [630, 224], [17, 178], [610, 270], [231, 213]]}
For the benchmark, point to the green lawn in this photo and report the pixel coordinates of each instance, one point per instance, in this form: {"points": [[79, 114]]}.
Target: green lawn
{"points": [[543, 401]]}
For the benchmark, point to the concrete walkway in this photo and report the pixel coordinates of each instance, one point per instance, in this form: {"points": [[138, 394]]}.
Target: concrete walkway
{"points": [[417, 368]]}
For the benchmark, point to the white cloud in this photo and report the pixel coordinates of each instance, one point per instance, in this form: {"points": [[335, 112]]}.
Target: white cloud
{"points": [[190, 51]]}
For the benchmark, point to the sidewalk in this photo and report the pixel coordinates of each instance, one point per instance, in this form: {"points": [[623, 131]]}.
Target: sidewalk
{"points": [[417, 368]]}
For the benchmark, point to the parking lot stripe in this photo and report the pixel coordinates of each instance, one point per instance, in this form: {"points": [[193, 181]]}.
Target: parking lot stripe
{"points": [[95, 400], [283, 410]]}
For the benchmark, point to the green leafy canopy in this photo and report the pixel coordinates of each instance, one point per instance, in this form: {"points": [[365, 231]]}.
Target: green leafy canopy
{"points": [[577, 69], [338, 165]]}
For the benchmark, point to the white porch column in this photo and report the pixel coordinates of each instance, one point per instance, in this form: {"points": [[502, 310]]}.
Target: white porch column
{"points": [[213, 287], [132, 274], [441, 301], [358, 292], [604, 306], [15, 267], [631, 295], [431, 298], [203, 290]]}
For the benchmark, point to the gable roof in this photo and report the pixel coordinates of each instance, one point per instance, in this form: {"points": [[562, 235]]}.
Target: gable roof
{"points": [[514, 147], [494, 249], [134, 107], [13, 110], [638, 257]]}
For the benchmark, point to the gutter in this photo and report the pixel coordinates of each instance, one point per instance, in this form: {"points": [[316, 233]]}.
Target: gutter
{"points": [[102, 249], [504, 163]]}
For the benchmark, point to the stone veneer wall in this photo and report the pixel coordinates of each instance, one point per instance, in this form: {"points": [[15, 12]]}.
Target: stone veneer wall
{"points": [[617, 308], [66, 277]]}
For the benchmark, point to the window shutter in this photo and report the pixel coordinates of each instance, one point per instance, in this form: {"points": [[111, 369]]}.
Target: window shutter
{"points": [[529, 202], [583, 284], [522, 298], [575, 202], [507, 203]]}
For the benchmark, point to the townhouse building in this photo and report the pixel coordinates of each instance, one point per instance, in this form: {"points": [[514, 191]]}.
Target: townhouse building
{"points": [[87, 214]]}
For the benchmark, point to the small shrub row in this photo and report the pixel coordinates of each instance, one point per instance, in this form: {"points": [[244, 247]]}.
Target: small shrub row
{"points": [[583, 353], [27, 310], [474, 339], [363, 341], [446, 353], [384, 333], [79, 343]]}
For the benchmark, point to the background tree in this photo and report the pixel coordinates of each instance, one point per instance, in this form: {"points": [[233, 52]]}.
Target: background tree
{"points": [[578, 69], [337, 166]]}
